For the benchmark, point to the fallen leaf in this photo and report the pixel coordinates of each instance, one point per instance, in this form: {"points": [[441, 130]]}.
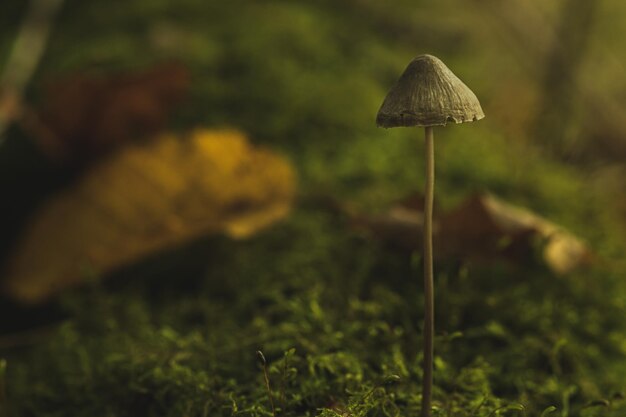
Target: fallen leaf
{"points": [[482, 228], [147, 198], [515, 229], [84, 116], [400, 226]]}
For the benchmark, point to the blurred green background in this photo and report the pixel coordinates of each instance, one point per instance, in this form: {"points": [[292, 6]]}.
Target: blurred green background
{"points": [[177, 334]]}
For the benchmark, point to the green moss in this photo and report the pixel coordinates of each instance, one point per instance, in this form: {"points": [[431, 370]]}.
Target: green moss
{"points": [[351, 312]]}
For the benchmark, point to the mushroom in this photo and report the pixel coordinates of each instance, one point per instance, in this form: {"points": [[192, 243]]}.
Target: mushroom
{"points": [[428, 94]]}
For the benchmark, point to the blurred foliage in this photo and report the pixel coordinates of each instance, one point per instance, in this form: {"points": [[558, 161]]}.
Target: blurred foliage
{"points": [[146, 198], [290, 74], [308, 77]]}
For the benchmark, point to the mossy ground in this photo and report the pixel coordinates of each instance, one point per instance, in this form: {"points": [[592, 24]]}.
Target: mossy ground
{"points": [[337, 315]]}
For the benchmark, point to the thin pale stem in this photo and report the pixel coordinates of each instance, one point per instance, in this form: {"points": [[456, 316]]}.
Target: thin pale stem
{"points": [[429, 297]]}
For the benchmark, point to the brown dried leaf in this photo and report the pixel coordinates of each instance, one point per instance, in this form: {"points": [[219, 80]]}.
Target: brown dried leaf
{"points": [[83, 116], [482, 228], [400, 226], [487, 226], [148, 198]]}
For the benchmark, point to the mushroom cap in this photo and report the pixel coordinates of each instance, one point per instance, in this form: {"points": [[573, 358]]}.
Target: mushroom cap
{"points": [[428, 94]]}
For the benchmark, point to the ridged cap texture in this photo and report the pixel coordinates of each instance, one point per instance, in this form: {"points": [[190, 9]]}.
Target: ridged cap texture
{"points": [[428, 94]]}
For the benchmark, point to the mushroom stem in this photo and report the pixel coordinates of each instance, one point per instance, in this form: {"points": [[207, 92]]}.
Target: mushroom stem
{"points": [[429, 298]]}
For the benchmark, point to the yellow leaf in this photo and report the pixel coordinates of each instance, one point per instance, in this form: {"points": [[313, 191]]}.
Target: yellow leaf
{"points": [[148, 198]]}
